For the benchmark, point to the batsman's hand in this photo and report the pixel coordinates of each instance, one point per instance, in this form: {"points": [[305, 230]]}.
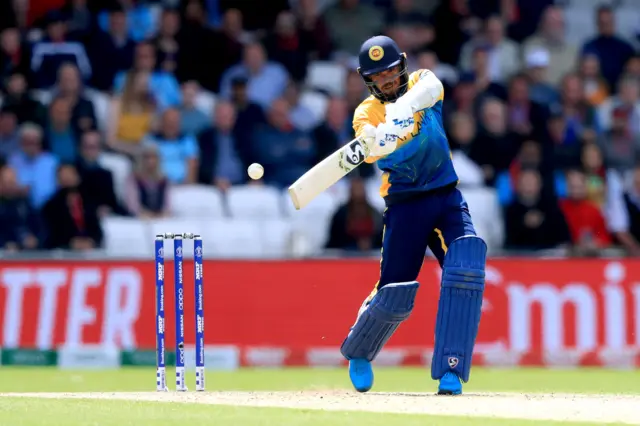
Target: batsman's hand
{"points": [[381, 140]]}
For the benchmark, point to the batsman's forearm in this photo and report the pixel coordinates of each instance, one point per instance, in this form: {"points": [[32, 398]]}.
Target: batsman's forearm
{"points": [[424, 94]]}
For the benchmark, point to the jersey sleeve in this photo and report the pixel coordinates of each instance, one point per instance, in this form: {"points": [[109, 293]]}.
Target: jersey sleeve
{"points": [[419, 75], [360, 118]]}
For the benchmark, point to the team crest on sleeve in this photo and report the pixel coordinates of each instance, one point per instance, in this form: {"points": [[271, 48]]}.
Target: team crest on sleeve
{"points": [[376, 53]]}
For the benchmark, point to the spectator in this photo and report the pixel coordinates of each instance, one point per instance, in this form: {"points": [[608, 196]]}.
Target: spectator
{"points": [[35, 168], [335, 131], [13, 55], [285, 152], [266, 80], [626, 103], [350, 22], [355, 91], [97, 182], [227, 40], [147, 188], [8, 18], [20, 225], [623, 217], [20, 100], [596, 89], [584, 219], [485, 86], [223, 159], [428, 60], [580, 118], [529, 157], [464, 150], [448, 15], [71, 220], [533, 222], [464, 97], [249, 115], [540, 91], [356, 225], [612, 51], [81, 22], [178, 151], [551, 37], [56, 49], [166, 42], [132, 114], [620, 147], [406, 13], [632, 67], [60, 138], [286, 46], [565, 155], [69, 87], [163, 85], [194, 120], [141, 20], [111, 51], [9, 139], [503, 60], [301, 116], [593, 166], [313, 30], [496, 146], [524, 117]]}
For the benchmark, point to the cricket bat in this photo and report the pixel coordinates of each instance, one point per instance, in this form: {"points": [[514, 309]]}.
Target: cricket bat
{"points": [[327, 172]]}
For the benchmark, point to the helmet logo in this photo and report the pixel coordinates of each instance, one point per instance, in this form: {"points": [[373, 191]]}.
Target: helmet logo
{"points": [[376, 53]]}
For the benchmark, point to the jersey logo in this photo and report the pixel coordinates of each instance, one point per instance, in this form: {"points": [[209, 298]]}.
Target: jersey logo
{"points": [[376, 53], [354, 154], [453, 362], [403, 123]]}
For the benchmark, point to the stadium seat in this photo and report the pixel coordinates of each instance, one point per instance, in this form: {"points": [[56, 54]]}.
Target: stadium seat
{"points": [[373, 194], [276, 237], [487, 215], [316, 102], [327, 76], [233, 238], [127, 237], [254, 201], [178, 226], [324, 205], [311, 233], [101, 105], [195, 201], [206, 102], [120, 167]]}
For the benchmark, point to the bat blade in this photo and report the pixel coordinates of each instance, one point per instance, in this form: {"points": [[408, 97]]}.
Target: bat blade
{"points": [[327, 172]]}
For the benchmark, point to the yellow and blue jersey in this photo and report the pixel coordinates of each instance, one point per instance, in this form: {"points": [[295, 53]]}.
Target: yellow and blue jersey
{"points": [[422, 161]]}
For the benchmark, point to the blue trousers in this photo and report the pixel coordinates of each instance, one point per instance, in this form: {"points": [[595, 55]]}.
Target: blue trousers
{"points": [[433, 221]]}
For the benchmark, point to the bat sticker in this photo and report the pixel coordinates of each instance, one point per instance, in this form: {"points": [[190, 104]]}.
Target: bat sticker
{"points": [[355, 153]]}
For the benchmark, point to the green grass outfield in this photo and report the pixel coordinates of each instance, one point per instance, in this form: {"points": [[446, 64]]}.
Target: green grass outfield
{"points": [[76, 412]]}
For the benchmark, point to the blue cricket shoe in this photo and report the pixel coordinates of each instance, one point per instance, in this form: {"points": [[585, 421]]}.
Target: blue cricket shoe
{"points": [[361, 374], [450, 384]]}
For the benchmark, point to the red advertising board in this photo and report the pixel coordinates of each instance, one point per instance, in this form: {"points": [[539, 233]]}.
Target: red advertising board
{"points": [[534, 311]]}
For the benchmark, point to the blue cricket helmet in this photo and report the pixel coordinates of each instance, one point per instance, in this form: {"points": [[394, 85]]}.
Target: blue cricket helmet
{"points": [[379, 54]]}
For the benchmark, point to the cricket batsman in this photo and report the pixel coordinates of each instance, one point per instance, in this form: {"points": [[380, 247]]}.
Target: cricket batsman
{"points": [[401, 122]]}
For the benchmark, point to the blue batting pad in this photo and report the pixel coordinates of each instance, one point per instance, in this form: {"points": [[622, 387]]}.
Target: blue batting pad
{"points": [[460, 307], [391, 305]]}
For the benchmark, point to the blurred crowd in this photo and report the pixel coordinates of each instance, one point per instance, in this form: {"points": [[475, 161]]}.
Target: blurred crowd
{"points": [[550, 122]]}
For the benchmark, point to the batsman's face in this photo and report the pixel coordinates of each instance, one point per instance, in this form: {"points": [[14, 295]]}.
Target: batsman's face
{"points": [[388, 81]]}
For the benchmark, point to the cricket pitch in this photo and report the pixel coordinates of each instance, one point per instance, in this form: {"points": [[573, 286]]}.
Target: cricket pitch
{"points": [[562, 407]]}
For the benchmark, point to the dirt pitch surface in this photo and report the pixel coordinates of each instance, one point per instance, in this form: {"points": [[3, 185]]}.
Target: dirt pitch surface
{"points": [[601, 409]]}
